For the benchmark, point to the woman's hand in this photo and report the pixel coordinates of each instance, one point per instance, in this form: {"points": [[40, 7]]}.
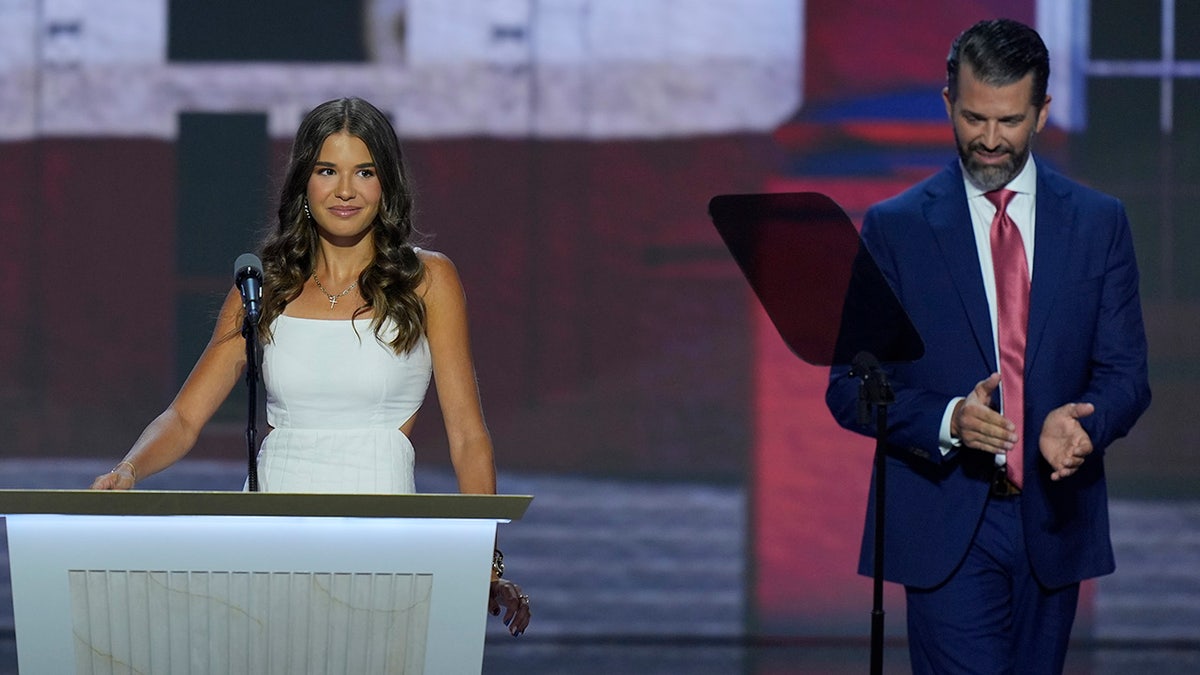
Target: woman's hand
{"points": [[122, 477], [507, 595]]}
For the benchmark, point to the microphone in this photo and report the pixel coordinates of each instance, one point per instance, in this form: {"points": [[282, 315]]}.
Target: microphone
{"points": [[248, 276], [864, 363], [873, 388]]}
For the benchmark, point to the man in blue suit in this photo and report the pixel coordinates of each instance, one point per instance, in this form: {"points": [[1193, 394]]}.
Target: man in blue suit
{"points": [[996, 501]]}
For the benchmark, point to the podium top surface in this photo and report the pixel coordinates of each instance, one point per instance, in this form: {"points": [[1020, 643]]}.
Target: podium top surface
{"points": [[195, 503]]}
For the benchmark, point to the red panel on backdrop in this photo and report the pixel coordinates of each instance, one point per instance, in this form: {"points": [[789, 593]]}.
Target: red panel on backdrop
{"points": [[101, 342], [596, 284], [19, 212], [810, 476], [875, 46]]}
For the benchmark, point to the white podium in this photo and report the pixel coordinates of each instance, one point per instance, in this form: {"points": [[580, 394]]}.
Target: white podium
{"points": [[232, 582]]}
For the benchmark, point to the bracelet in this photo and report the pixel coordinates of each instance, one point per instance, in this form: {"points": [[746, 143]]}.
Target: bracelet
{"points": [[497, 564], [132, 469]]}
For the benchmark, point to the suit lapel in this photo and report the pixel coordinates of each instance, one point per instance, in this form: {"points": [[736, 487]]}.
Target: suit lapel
{"points": [[947, 214], [1053, 229]]}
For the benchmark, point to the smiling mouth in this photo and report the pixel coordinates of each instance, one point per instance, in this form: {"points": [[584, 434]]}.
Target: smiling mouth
{"points": [[990, 156], [993, 159]]}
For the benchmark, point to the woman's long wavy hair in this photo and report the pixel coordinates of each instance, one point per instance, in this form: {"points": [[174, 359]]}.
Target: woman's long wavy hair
{"points": [[389, 283]]}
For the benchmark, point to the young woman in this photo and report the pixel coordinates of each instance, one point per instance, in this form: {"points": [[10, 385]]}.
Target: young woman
{"points": [[355, 320]]}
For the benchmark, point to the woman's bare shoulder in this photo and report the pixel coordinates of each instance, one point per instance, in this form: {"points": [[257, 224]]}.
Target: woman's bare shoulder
{"points": [[430, 257], [438, 267]]}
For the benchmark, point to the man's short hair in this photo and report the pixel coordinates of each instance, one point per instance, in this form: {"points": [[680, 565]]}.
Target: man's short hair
{"points": [[1000, 52]]}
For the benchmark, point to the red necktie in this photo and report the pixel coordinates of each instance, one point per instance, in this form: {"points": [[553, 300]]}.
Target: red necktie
{"points": [[1012, 312]]}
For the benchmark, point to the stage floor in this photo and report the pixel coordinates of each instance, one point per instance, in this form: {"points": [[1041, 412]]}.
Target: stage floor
{"points": [[665, 657], [618, 585]]}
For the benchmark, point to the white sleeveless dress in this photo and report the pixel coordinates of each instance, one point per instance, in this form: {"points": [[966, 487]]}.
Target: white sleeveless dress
{"points": [[336, 399]]}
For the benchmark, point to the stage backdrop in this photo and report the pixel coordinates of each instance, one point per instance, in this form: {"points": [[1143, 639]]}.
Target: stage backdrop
{"points": [[564, 152]]}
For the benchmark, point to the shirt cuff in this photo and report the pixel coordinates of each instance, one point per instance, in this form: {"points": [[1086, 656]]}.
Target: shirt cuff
{"points": [[946, 443]]}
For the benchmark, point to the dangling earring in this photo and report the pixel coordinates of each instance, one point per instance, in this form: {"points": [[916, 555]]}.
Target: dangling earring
{"points": [[307, 213]]}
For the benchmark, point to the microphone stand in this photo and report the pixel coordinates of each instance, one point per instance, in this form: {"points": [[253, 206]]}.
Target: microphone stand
{"points": [[250, 332], [874, 390]]}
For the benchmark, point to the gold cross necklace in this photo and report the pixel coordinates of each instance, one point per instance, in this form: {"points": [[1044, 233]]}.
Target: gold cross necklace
{"points": [[333, 299]]}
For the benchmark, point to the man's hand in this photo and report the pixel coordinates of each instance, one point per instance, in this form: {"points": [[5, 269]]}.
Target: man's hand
{"points": [[977, 426], [1063, 442]]}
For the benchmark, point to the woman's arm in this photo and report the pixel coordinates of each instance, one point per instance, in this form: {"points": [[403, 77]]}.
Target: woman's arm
{"points": [[458, 393], [173, 433], [454, 373]]}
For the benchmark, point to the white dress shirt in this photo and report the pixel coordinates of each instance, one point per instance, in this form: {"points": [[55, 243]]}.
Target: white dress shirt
{"points": [[1022, 211]]}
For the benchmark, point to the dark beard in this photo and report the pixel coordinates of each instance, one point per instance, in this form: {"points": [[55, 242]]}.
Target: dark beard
{"points": [[991, 177]]}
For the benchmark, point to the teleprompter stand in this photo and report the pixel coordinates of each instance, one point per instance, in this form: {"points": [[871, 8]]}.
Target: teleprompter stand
{"points": [[832, 306]]}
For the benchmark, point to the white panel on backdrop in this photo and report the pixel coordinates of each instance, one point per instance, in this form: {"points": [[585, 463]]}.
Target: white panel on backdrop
{"points": [[18, 100], [509, 68], [1063, 27]]}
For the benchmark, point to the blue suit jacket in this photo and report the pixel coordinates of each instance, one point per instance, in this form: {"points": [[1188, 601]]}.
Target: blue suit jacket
{"points": [[1086, 343]]}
